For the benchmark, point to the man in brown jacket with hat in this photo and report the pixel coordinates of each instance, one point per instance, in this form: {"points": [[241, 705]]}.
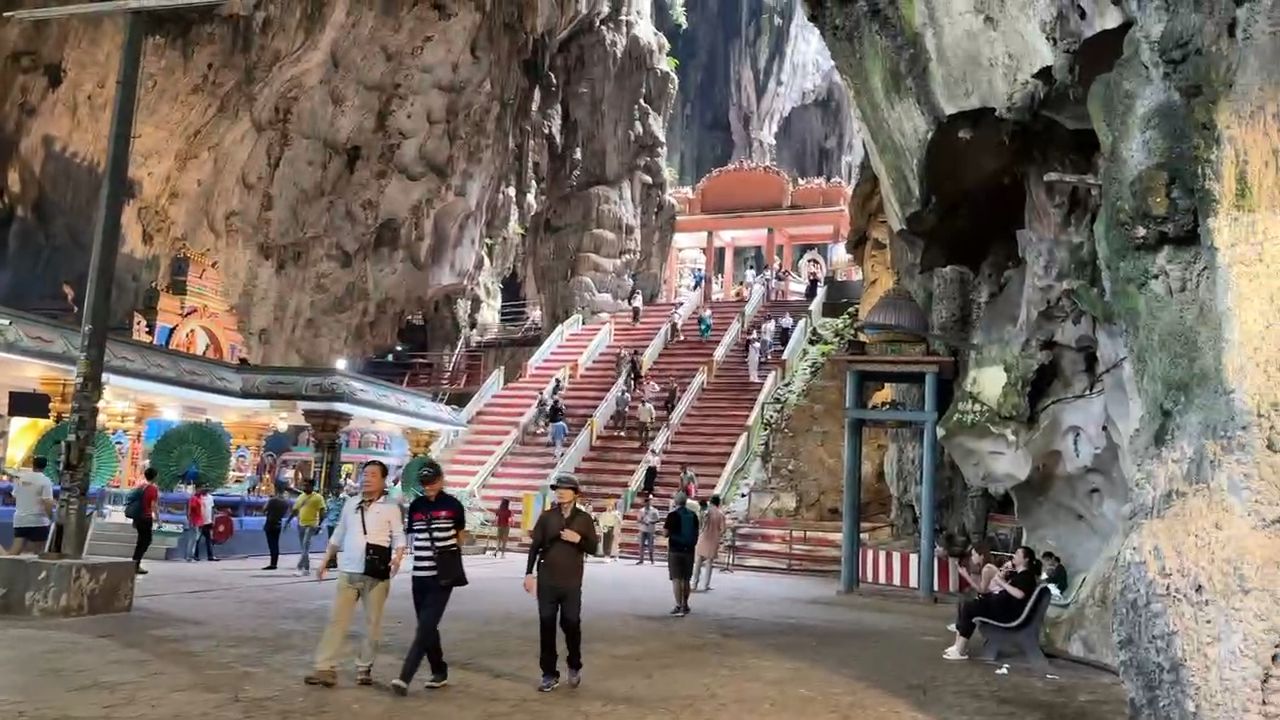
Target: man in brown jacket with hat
{"points": [[562, 539]]}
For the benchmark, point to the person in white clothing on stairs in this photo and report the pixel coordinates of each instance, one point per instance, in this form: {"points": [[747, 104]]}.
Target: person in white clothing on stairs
{"points": [[753, 357]]}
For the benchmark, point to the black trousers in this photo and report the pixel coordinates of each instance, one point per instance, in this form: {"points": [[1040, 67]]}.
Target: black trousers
{"points": [[273, 542], [429, 601], [144, 526], [991, 607], [566, 604], [206, 537]]}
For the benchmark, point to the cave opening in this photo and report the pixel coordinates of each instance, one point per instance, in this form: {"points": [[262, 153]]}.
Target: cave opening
{"points": [[513, 308], [974, 192]]}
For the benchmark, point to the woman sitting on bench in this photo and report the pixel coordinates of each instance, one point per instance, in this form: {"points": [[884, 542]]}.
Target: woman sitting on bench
{"points": [[980, 569], [1006, 598]]}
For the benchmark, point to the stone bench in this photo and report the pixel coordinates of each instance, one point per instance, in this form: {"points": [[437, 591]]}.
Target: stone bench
{"points": [[1022, 634]]}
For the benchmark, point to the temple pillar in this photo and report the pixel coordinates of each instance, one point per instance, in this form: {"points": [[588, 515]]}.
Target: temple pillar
{"points": [[59, 392], [710, 253], [326, 434], [770, 249], [729, 266], [250, 434], [788, 254]]}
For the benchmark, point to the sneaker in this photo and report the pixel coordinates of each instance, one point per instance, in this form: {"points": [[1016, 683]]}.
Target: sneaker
{"points": [[684, 611], [549, 683], [575, 678], [139, 571], [327, 678], [364, 676], [676, 611], [399, 687], [951, 628], [269, 567], [952, 654], [436, 681]]}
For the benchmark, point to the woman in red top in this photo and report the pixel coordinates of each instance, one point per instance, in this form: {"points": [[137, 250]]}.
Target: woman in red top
{"points": [[504, 527]]}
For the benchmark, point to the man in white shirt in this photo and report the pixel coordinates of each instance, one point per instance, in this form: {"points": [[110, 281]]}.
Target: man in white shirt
{"points": [[645, 415], [374, 520], [33, 503]]}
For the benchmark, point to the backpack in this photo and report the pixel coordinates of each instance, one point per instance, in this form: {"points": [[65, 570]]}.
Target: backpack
{"points": [[688, 535], [133, 504]]}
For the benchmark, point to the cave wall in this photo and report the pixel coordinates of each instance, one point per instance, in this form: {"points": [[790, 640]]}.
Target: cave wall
{"points": [[758, 83], [345, 161], [1121, 375]]}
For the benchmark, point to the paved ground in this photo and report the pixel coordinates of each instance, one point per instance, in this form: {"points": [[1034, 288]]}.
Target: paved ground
{"points": [[229, 641]]}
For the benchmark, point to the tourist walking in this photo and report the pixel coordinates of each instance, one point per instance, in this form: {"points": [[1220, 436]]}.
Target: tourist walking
{"points": [[753, 357], [369, 544], [635, 373], [273, 520], [767, 329], [562, 538], [749, 277], [32, 508], [682, 538], [649, 482], [785, 325], [621, 406], [200, 521], [143, 508], [645, 416], [309, 507], [610, 522], [688, 480], [708, 544], [781, 282], [647, 521], [637, 305], [559, 428], [811, 289], [669, 400], [704, 324], [674, 332], [502, 521], [438, 530]]}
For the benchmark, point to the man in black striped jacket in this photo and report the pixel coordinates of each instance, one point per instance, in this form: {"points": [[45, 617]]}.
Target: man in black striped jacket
{"points": [[436, 520]]}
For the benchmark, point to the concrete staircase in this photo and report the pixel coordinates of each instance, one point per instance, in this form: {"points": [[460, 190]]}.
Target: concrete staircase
{"points": [[527, 466], [608, 467], [491, 426], [116, 539]]}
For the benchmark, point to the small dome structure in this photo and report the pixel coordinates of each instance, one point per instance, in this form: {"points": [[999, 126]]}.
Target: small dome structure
{"points": [[896, 317]]}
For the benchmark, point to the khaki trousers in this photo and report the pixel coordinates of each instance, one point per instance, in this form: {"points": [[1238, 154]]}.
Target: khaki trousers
{"points": [[372, 595]]}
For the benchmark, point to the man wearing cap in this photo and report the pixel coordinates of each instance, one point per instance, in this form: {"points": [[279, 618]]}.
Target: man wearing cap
{"points": [[437, 521], [562, 538]]}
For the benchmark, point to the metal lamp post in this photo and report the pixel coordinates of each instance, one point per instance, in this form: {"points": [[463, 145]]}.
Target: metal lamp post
{"points": [[73, 525]]}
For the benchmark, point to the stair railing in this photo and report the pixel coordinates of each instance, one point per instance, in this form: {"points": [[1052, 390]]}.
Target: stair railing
{"points": [[491, 386], [512, 437], [659, 342], [815, 307], [601, 341], [659, 444], [554, 338], [754, 302]]}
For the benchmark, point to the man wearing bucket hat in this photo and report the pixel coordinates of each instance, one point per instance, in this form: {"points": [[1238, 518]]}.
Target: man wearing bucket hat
{"points": [[561, 540]]}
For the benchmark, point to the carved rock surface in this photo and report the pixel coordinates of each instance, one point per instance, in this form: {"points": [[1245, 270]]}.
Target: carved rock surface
{"points": [[345, 161], [1121, 372]]}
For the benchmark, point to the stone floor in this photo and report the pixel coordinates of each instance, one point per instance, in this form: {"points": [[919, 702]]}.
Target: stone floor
{"points": [[226, 640]]}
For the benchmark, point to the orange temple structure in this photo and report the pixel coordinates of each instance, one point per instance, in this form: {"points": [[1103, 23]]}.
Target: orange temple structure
{"points": [[191, 314], [750, 216]]}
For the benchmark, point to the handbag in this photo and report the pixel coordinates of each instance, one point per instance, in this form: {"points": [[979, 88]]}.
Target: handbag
{"points": [[377, 558], [449, 572]]}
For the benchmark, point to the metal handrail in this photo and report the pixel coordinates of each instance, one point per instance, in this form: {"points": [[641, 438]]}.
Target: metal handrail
{"points": [[659, 443], [554, 338], [754, 301], [726, 344], [602, 340], [799, 334], [659, 342], [512, 437], [815, 307], [491, 386]]}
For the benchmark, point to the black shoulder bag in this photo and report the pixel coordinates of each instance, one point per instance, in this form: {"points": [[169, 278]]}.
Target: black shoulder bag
{"points": [[377, 558], [449, 572]]}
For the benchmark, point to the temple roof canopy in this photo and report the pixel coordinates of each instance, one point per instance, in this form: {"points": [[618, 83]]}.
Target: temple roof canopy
{"points": [[745, 186]]}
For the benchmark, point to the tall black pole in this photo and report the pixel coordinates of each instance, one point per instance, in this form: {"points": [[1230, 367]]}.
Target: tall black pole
{"points": [[77, 449]]}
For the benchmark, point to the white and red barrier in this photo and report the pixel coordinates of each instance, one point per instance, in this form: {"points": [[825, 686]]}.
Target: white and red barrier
{"points": [[897, 568]]}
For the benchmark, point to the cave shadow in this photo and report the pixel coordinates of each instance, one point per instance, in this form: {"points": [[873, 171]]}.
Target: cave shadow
{"points": [[49, 241], [894, 644]]}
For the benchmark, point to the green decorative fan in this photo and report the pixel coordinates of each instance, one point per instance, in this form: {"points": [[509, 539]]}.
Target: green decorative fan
{"points": [[198, 447], [409, 484], [106, 461]]}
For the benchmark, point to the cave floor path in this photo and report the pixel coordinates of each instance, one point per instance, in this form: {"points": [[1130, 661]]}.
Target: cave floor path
{"points": [[227, 640]]}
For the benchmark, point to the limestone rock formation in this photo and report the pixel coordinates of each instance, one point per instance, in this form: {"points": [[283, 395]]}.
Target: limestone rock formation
{"points": [[1106, 173], [756, 83], [347, 162]]}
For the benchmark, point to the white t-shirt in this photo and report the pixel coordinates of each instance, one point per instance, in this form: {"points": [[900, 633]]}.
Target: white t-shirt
{"points": [[29, 490], [749, 276], [637, 301]]}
